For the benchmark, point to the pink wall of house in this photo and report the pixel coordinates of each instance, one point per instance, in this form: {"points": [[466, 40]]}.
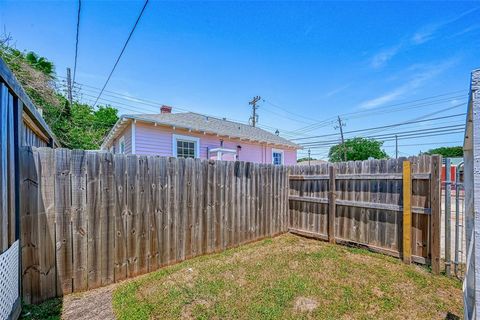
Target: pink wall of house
{"points": [[158, 140]]}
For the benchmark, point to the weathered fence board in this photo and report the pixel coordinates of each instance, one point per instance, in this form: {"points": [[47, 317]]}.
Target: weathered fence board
{"points": [[362, 203], [92, 218]]}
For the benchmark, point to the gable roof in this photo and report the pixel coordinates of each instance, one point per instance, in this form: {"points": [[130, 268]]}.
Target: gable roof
{"points": [[201, 123]]}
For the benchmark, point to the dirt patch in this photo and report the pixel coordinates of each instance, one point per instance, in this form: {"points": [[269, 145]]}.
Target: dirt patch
{"points": [[303, 304], [238, 276], [185, 277], [91, 305], [293, 264], [187, 312]]}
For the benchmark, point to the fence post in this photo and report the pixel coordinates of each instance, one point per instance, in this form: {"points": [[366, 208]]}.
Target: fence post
{"points": [[407, 212], [448, 214], [331, 204], [435, 222]]}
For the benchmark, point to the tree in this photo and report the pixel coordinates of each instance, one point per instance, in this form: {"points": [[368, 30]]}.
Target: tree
{"points": [[305, 159], [357, 149], [447, 152], [76, 126]]}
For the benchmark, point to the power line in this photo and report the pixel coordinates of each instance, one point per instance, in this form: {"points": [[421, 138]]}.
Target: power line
{"points": [[422, 144], [375, 111], [386, 126], [148, 103], [390, 136], [121, 52], [76, 39]]}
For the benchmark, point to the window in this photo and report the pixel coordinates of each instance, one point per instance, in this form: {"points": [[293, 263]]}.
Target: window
{"points": [[121, 145], [277, 156], [185, 146]]}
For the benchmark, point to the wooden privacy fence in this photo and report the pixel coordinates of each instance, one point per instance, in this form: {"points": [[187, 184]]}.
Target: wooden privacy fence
{"points": [[362, 202], [89, 219]]}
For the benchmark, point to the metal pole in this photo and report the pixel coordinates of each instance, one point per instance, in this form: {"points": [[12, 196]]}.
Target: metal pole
{"points": [[457, 217], [448, 215]]}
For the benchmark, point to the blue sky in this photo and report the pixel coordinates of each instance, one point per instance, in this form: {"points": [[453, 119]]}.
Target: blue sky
{"points": [[368, 62]]}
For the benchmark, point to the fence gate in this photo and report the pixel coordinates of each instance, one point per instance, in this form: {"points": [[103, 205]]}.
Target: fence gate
{"points": [[453, 219], [361, 203]]}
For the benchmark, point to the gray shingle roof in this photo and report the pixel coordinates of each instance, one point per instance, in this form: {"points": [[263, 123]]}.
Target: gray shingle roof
{"points": [[198, 122]]}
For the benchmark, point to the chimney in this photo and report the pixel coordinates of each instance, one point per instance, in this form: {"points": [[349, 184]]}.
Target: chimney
{"points": [[165, 109]]}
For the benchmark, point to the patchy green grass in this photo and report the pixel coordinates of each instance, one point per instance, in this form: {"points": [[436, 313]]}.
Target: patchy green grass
{"points": [[290, 277], [49, 310]]}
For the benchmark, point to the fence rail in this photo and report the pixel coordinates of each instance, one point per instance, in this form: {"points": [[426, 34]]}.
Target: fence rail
{"points": [[90, 218], [93, 218], [361, 202]]}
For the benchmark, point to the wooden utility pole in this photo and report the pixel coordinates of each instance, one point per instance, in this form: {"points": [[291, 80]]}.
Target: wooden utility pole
{"points": [[69, 86], [254, 116], [396, 147], [340, 126], [309, 157]]}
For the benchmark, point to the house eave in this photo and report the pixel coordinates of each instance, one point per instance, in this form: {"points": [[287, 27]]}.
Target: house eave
{"points": [[119, 126]]}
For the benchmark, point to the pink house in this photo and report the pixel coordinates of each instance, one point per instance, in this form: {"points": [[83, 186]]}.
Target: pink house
{"points": [[197, 136]]}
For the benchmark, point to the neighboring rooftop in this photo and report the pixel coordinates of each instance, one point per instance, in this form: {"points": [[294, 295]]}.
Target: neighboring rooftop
{"points": [[202, 123], [312, 162]]}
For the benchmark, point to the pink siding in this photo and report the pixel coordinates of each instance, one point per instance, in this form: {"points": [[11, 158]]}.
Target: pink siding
{"points": [[158, 140]]}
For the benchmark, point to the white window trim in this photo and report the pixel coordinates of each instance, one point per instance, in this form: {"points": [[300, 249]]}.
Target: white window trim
{"points": [[278, 151], [122, 139], [176, 137]]}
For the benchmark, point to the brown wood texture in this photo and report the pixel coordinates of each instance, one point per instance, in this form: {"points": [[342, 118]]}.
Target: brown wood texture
{"points": [[368, 204], [97, 218]]}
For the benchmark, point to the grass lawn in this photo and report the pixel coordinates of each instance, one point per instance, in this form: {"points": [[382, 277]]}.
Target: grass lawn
{"points": [[290, 277]]}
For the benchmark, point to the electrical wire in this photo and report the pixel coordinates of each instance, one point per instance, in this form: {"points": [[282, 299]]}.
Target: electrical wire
{"points": [[121, 52], [76, 40], [386, 126]]}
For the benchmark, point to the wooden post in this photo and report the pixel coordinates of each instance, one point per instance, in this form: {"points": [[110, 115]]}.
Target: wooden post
{"points": [[331, 204], [407, 212], [435, 222]]}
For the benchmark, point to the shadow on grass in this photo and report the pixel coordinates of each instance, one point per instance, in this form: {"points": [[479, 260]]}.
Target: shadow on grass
{"points": [[48, 310]]}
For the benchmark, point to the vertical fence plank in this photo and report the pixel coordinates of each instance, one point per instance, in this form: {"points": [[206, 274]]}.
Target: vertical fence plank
{"points": [[63, 221], [46, 207], [152, 212], [131, 214], [29, 225], [331, 204], [79, 222], [93, 220], [162, 209], [407, 213], [107, 222], [120, 183], [141, 217], [435, 199]]}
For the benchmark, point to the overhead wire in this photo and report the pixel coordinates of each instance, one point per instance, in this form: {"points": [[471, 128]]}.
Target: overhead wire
{"points": [[76, 40], [121, 52]]}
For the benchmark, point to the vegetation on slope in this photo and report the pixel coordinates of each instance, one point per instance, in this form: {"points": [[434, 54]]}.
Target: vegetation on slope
{"points": [[76, 126]]}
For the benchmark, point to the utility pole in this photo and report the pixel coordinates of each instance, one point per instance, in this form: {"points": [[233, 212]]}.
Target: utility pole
{"points": [[69, 86], [254, 116], [309, 157], [340, 126], [396, 147]]}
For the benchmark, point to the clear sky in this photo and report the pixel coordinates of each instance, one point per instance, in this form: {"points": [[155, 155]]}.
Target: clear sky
{"points": [[370, 63]]}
